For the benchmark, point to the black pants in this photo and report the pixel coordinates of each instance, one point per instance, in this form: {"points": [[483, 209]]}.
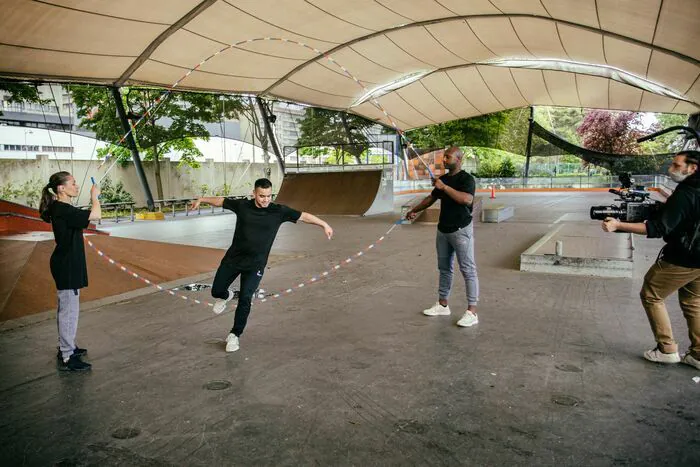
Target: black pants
{"points": [[250, 280]]}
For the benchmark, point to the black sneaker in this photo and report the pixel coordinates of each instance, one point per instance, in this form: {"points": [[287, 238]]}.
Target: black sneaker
{"points": [[76, 351], [74, 363]]}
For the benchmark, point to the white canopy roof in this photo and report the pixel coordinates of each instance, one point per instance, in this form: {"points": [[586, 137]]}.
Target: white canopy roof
{"points": [[448, 59]]}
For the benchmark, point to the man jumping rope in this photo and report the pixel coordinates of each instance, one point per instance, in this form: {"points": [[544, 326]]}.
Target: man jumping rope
{"points": [[257, 223]]}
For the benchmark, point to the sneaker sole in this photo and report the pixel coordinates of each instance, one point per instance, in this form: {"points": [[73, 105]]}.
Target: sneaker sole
{"points": [[436, 314], [696, 366], [467, 325], [60, 357], [75, 370], [234, 350], [664, 362], [230, 297]]}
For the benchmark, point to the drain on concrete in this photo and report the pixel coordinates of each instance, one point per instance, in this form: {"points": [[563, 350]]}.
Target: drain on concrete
{"points": [[569, 368], [566, 400], [126, 433], [217, 385]]}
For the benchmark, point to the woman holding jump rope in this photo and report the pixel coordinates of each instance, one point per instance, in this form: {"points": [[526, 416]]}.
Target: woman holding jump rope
{"points": [[68, 266]]}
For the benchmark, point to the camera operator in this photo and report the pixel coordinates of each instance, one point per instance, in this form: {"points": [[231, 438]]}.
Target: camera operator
{"points": [[678, 264]]}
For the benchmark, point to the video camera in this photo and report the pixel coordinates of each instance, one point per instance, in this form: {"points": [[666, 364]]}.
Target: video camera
{"points": [[635, 204]]}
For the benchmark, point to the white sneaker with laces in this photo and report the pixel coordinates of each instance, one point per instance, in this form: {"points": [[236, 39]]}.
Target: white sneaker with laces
{"points": [[220, 304], [469, 319], [232, 343], [690, 360], [655, 355], [437, 310]]}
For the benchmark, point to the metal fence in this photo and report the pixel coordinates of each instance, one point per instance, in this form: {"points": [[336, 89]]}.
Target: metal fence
{"points": [[118, 208], [575, 182], [173, 205], [338, 157]]}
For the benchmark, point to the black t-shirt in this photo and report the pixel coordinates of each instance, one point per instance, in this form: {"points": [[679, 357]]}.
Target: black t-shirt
{"points": [[68, 266], [454, 216], [256, 229]]}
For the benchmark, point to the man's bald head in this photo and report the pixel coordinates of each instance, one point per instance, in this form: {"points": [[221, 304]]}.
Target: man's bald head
{"points": [[453, 158], [455, 151]]}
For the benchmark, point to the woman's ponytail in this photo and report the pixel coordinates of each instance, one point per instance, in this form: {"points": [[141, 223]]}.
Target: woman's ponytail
{"points": [[50, 193]]}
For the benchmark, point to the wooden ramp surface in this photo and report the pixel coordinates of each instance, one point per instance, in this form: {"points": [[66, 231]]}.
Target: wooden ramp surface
{"points": [[26, 285], [342, 193]]}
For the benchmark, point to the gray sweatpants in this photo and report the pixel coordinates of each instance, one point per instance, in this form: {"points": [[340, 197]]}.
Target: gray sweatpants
{"points": [[67, 319], [460, 244]]}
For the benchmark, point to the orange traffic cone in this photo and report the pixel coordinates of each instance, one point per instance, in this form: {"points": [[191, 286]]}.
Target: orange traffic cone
{"points": [[493, 192]]}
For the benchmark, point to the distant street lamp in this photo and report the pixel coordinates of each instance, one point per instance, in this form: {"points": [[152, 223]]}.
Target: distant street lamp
{"points": [[26, 132]]}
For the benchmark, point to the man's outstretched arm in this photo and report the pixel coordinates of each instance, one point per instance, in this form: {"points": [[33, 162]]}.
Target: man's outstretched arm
{"points": [[423, 205], [311, 219], [214, 201]]}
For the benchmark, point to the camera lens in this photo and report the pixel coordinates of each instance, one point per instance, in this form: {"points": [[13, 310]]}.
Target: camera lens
{"points": [[601, 212]]}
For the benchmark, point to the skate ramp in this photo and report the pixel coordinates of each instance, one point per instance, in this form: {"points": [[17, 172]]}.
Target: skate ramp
{"points": [[339, 193], [17, 218], [26, 285]]}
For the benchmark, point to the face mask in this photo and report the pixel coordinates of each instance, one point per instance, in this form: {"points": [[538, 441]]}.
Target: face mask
{"points": [[678, 176]]}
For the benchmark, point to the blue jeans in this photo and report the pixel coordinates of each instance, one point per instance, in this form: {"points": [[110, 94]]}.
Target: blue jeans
{"points": [[460, 244]]}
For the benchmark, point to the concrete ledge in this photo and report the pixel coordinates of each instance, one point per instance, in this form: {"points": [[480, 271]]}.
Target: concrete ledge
{"points": [[590, 256], [496, 213]]}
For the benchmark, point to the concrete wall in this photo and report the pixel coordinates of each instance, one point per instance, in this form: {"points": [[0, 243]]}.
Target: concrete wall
{"points": [[178, 182]]}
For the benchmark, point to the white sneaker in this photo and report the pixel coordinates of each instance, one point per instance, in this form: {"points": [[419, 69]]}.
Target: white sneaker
{"points": [[469, 319], [655, 355], [232, 343], [689, 360], [437, 310], [220, 304]]}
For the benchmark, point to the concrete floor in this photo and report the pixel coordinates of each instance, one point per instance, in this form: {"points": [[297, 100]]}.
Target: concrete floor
{"points": [[348, 372]]}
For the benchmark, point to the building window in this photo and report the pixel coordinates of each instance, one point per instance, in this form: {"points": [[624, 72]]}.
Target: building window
{"points": [[57, 148], [19, 147]]}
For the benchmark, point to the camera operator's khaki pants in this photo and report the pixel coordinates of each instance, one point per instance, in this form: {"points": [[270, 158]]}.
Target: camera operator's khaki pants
{"points": [[662, 280]]}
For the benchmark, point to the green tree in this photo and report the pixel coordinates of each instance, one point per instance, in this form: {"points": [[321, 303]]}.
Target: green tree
{"points": [[169, 127], [114, 194], [670, 142], [328, 127], [513, 134], [562, 121], [476, 131], [507, 168]]}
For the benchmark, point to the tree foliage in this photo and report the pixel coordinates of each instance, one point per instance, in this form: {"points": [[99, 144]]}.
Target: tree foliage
{"points": [[611, 132], [477, 131], [168, 126], [670, 142], [562, 121], [617, 132], [114, 193], [321, 127]]}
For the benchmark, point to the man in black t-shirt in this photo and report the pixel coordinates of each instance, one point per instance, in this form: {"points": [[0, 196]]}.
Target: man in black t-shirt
{"points": [[257, 223], [455, 234]]}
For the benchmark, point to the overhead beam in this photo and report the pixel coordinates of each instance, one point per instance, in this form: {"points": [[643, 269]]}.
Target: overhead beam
{"points": [[193, 13]]}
